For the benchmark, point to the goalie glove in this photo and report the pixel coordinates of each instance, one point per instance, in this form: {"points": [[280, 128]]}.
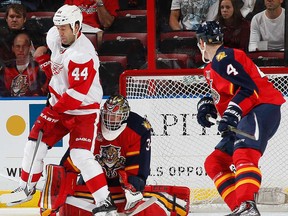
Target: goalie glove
{"points": [[133, 196]]}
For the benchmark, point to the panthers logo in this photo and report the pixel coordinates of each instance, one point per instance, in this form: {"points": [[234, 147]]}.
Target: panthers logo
{"points": [[220, 56], [111, 160]]}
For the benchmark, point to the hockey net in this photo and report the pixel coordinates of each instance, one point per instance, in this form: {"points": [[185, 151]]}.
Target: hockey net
{"points": [[180, 145]]}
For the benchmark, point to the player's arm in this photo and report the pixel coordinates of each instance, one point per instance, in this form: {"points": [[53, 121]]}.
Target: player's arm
{"points": [[137, 167], [138, 154], [242, 87], [80, 78]]}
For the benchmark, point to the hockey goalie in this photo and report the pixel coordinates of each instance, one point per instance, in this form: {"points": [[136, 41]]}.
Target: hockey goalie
{"points": [[123, 149]]}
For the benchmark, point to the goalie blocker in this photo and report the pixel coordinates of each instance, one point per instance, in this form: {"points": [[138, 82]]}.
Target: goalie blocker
{"points": [[171, 200]]}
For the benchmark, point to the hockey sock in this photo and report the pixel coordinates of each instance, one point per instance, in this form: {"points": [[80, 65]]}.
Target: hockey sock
{"points": [[248, 175], [217, 166]]}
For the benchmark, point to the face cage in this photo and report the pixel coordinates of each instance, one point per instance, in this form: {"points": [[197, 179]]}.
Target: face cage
{"points": [[113, 121]]}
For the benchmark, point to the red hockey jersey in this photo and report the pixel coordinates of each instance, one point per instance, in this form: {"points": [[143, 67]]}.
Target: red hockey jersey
{"points": [[233, 76], [130, 150], [29, 82]]}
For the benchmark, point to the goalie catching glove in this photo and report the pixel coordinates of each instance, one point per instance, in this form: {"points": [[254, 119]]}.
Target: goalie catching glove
{"points": [[231, 117], [205, 109], [132, 189]]}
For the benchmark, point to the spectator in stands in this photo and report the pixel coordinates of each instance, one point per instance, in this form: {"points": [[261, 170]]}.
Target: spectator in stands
{"points": [[97, 13], [22, 76], [235, 28], [267, 27], [189, 14], [252, 7], [15, 17]]}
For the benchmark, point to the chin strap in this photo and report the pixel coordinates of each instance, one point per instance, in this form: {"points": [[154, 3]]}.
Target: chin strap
{"points": [[203, 53]]}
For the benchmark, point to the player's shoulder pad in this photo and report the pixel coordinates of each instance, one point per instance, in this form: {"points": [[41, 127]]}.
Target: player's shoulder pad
{"points": [[138, 123]]}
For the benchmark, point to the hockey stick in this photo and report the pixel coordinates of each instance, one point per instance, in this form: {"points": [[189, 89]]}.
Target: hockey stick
{"points": [[23, 194], [74, 201], [233, 129]]}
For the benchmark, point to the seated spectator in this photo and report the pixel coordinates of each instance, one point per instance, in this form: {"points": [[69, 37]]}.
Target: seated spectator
{"points": [[29, 5], [267, 27], [22, 76], [15, 17], [252, 7], [189, 14], [235, 28], [97, 13]]}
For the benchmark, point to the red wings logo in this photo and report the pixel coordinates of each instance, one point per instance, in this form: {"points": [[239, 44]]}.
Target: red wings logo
{"points": [[56, 68]]}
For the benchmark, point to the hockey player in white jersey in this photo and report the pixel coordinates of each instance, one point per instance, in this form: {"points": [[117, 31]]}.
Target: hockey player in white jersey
{"points": [[73, 108]]}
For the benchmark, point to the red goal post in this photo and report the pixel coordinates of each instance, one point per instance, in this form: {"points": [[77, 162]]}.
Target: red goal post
{"points": [[180, 145]]}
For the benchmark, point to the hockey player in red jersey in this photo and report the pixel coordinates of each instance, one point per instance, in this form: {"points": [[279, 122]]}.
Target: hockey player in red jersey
{"points": [[73, 109], [244, 98], [122, 148]]}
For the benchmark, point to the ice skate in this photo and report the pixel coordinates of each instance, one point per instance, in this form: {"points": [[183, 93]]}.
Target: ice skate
{"points": [[28, 198], [247, 208], [105, 208]]}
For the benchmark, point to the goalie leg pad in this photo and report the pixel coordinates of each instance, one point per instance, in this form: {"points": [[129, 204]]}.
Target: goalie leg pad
{"points": [[56, 188], [171, 200]]}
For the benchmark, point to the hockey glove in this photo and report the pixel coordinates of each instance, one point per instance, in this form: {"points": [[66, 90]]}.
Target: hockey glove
{"points": [[45, 64], [205, 109], [133, 196], [231, 117], [45, 122]]}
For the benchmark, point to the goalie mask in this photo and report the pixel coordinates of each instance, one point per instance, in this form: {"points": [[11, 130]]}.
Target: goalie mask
{"points": [[68, 14], [114, 115]]}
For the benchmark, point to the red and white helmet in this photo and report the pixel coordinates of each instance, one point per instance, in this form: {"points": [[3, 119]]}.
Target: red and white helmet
{"points": [[68, 14]]}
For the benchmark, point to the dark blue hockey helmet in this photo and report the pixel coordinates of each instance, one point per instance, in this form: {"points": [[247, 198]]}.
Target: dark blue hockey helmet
{"points": [[210, 32]]}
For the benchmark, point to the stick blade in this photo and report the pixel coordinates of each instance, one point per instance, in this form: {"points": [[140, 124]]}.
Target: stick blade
{"points": [[12, 197]]}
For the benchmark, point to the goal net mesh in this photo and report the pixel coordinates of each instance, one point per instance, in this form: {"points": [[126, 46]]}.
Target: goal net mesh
{"points": [[180, 145]]}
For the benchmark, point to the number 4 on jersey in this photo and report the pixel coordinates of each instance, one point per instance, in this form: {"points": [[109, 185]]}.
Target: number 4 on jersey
{"points": [[231, 70]]}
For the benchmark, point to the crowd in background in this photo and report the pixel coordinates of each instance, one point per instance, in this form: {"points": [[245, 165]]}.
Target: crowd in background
{"points": [[245, 25]]}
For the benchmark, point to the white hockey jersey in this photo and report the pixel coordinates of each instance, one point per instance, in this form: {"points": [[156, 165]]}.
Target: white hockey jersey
{"points": [[75, 86]]}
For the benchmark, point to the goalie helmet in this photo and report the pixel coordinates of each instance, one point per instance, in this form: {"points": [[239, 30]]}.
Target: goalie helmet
{"points": [[68, 14], [114, 115], [210, 32]]}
